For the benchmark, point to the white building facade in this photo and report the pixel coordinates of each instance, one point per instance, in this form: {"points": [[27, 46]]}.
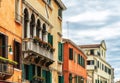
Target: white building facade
{"points": [[97, 67]]}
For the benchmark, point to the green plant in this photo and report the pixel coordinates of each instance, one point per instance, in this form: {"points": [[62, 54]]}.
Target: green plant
{"points": [[2, 59]]}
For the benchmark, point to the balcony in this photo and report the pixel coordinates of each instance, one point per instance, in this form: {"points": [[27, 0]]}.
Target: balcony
{"points": [[6, 68], [37, 51]]}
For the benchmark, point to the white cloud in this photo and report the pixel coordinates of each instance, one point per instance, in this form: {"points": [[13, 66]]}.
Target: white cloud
{"points": [[90, 16]]}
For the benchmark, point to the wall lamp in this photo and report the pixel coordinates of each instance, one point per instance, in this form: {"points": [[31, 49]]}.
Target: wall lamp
{"points": [[10, 48]]}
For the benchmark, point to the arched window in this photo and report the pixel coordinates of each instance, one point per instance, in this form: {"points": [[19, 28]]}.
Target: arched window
{"points": [[44, 32], [32, 24], [26, 18], [38, 28]]}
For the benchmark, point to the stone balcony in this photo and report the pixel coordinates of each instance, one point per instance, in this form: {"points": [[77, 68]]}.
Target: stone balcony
{"points": [[34, 48]]}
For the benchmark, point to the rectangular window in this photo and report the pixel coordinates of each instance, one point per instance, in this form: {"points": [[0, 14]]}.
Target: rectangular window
{"points": [[60, 12], [90, 62], [18, 18], [91, 52], [98, 64], [70, 53], [49, 2], [17, 53], [60, 51], [3, 46], [109, 71]]}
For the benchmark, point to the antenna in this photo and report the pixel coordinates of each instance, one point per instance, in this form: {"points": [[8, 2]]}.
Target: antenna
{"points": [[67, 28]]}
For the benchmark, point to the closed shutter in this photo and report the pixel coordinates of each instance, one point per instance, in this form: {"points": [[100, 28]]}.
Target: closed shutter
{"points": [[30, 69], [70, 53], [44, 75], [60, 51], [49, 77], [61, 79]]}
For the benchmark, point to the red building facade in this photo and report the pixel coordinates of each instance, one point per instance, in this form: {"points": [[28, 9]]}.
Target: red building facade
{"points": [[74, 63]]}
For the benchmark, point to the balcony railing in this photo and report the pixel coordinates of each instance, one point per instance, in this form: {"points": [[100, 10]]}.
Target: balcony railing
{"points": [[38, 47], [6, 68]]}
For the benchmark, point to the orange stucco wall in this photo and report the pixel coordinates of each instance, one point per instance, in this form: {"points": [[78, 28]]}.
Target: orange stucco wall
{"points": [[12, 29], [70, 66]]}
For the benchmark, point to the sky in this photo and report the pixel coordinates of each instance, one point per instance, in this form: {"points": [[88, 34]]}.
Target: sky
{"points": [[90, 22]]}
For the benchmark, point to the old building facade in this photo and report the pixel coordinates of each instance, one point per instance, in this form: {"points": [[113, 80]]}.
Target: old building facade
{"points": [[74, 67], [97, 67], [42, 35], [10, 41]]}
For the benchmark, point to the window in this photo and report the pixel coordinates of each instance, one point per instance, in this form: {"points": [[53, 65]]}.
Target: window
{"points": [[38, 28], [32, 24], [109, 71], [17, 11], [61, 79], [26, 19], [44, 32], [17, 53], [47, 75], [50, 39], [3, 44], [60, 51], [29, 72], [90, 62], [98, 64], [70, 53], [92, 52], [70, 78], [60, 12], [49, 2]]}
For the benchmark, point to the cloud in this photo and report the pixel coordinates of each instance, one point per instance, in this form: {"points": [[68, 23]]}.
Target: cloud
{"points": [[93, 16], [91, 21]]}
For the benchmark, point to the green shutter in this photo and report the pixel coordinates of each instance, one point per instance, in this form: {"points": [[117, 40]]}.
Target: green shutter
{"points": [[79, 59], [60, 51], [50, 39], [44, 75], [49, 77], [62, 79], [30, 70]]}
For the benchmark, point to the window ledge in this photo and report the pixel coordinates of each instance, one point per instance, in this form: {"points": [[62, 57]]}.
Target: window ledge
{"points": [[60, 62], [59, 18], [59, 34]]}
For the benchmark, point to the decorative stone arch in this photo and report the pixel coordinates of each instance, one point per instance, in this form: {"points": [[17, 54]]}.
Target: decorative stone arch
{"points": [[32, 25], [44, 32], [38, 28], [26, 20]]}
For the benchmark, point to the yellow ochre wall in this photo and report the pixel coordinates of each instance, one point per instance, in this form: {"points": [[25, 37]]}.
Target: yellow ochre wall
{"points": [[12, 29]]}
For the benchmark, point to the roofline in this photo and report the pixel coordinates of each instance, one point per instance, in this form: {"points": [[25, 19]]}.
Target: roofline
{"points": [[71, 42], [60, 3]]}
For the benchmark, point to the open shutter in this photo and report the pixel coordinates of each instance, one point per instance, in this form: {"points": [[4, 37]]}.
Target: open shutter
{"points": [[50, 39]]}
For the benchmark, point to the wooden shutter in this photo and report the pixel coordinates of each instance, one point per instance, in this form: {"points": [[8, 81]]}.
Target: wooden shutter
{"points": [[30, 75], [44, 75], [50, 39], [70, 53], [49, 77], [60, 51]]}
